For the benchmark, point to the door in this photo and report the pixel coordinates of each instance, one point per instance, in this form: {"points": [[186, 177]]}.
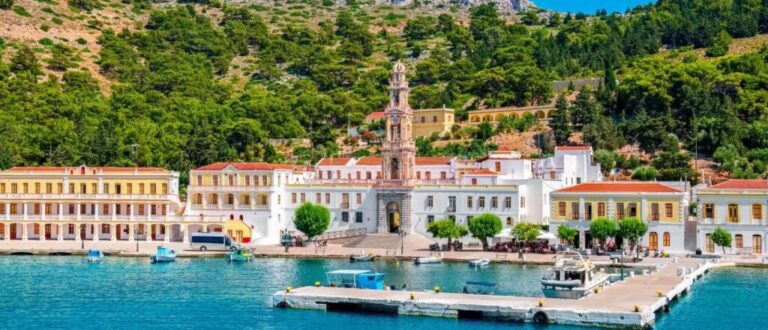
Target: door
{"points": [[588, 240], [48, 231], [653, 241], [757, 244], [13, 230], [153, 229], [82, 232]]}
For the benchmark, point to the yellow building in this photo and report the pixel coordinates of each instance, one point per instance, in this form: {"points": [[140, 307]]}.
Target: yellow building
{"points": [[661, 207], [94, 203], [429, 121], [494, 115]]}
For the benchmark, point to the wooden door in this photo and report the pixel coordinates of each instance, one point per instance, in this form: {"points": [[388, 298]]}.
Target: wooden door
{"points": [[47, 231], [653, 241]]}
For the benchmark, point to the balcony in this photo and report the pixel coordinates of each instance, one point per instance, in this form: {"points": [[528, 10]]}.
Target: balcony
{"points": [[202, 189], [59, 197], [451, 209]]}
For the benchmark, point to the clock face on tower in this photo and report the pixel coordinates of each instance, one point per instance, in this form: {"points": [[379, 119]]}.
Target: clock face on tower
{"points": [[395, 120]]}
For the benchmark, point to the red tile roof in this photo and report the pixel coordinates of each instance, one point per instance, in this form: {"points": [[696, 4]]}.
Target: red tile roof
{"points": [[369, 161], [375, 115], [89, 170], [619, 187], [742, 184], [573, 148], [433, 160], [253, 166], [481, 171], [505, 148], [333, 161]]}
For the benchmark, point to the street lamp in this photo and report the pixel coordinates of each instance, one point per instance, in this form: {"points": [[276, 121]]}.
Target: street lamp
{"points": [[401, 232]]}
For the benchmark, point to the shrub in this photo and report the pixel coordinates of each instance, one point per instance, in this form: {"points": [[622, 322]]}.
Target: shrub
{"points": [[21, 11], [45, 27], [81, 41], [46, 42]]}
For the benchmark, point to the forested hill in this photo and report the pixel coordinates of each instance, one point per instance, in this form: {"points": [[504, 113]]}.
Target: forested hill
{"points": [[183, 85]]}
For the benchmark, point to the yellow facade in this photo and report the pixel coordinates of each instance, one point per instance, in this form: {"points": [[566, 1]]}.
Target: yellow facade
{"points": [[429, 121], [495, 115], [661, 209]]}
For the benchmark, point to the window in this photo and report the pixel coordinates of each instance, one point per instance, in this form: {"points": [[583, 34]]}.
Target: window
{"points": [[36, 209], [469, 202], [247, 180], [443, 175], [118, 189], [213, 199], [15, 189], [2, 188], [434, 119], [198, 199], [733, 213], [508, 202], [328, 198], [60, 188], [105, 207], [48, 188], [26, 188], [199, 180], [494, 202], [303, 198], [654, 211], [509, 221], [666, 239], [619, 211], [318, 198], [430, 219], [345, 200], [48, 208], [246, 199], [451, 203], [428, 175], [37, 188], [757, 211], [418, 175], [231, 179], [345, 216], [358, 198], [481, 202], [710, 244], [359, 217], [522, 201], [709, 210], [71, 188], [215, 180], [561, 209], [474, 181], [263, 199], [153, 188], [141, 209], [600, 209], [430, 201], [588, 211], [632, 209], [574, 210], [498, 166], [293, 198], [739, 241], [668, 210], [230, 199]]}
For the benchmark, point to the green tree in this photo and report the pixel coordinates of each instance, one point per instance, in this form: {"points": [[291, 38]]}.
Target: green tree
{"points": [[447, 228], [524, 233], [567, 233], [601, 229], [720, 46], [25, 61], [645, 173], [606, 158], [560, 123], [722, 238], [484, 226], [633, 230], [312, 219]]}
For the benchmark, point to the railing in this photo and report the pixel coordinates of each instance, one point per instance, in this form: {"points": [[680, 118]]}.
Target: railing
{"points": [[451, 209], [341, 181], [342, 233], [121, 218], [85, 196], [228, 188]]}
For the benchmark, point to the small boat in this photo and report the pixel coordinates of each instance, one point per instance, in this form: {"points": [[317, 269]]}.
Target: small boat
{"points": [[239, 254], [572, 277], [94, 256], [356, 278], [362, 257], [428, 260], [480, 287], [479, 262], [163, 254]]}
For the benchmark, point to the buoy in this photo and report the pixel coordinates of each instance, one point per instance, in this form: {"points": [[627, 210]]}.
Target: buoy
{"points": [[437, 289], [637, 308], [288, 289], [541, 302], [317, 284], [413, 295]]}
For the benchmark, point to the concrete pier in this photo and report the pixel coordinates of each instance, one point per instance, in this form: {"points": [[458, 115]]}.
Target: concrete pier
{"points": [[629, 303]]}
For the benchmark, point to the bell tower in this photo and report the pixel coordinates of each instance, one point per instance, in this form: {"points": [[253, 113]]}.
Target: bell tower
{"points": [[398, 151], [398, 160]]}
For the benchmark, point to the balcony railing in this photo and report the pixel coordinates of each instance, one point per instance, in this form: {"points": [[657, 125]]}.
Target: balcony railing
{"points": [[201, 189], [85, 196], [119, 218]]}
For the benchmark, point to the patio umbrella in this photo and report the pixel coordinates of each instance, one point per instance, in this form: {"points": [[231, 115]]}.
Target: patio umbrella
{"points": [[548, 236], [505, 233]]}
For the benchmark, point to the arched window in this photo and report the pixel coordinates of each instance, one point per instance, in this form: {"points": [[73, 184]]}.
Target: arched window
{"points": [[666, 239], [653, 241]]}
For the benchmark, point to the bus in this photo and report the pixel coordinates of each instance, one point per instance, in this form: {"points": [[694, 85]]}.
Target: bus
{"points": [[211, 241]]}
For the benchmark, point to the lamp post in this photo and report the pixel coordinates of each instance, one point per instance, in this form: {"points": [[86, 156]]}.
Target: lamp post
{"points": [[401, 232]]}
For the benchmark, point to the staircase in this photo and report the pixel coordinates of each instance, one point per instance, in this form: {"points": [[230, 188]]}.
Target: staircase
{"points": [[390, 241]]}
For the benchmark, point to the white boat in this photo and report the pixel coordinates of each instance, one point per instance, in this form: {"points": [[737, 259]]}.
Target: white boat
{"points": [[480, 262], [572, 277], [428, 260], [95, 255]]}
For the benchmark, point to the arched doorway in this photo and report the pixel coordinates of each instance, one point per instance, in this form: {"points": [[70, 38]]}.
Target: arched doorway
{"points": [[395, 174], [653, 241], [393, 217]]}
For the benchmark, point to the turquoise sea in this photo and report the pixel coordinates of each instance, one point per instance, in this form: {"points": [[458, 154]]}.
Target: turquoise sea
{"points": [[590, 6], [66, 292]]}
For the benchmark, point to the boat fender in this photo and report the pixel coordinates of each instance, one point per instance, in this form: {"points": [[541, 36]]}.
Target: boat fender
{"points": [[540, 318]]}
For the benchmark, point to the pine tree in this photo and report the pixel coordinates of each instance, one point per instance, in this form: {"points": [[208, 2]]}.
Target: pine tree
{"points": [[560, 123]]}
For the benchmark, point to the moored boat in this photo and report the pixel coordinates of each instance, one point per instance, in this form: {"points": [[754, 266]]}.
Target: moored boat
{"points": [[479, 262], [572, 277], [240, 254], [356, 278], [427, 260], [94, 256], [362, 257], [163, 254]]}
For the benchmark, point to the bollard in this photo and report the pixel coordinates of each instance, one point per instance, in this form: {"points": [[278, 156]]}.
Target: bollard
{"points": [[288, 289], [637, 308], [541, 302], [437, 289], [659, 293], [413, 295], [317, 284]]}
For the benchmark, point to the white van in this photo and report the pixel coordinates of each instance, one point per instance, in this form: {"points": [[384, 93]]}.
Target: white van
{"points": [[211, 242]]}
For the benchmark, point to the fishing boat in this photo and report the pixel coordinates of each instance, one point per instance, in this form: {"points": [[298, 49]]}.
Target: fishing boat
{"points": [[572, 277], [362, 257], [163, 254], [240, 254], [94, 256], [428, 260], [356, 278], [480, 287], [479, 262]]}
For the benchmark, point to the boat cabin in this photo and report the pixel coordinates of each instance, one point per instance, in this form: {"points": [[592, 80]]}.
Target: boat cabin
{"points": [[356, 278]]}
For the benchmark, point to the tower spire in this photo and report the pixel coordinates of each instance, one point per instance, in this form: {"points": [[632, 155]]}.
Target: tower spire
{"points": [[398, 149]]}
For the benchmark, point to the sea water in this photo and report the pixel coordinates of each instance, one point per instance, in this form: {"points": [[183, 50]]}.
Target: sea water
{"points": [[590, 6], [66, 292]]}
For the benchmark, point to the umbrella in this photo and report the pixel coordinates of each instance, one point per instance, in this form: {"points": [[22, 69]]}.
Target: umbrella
{"points": [[505, 233], [547, 236]]}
